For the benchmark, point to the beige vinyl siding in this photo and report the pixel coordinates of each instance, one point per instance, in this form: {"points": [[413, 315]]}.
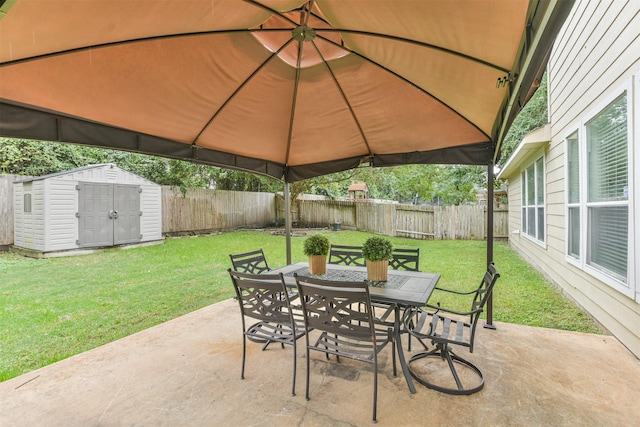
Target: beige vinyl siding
{"points": [[594, 58], [603, 42]]}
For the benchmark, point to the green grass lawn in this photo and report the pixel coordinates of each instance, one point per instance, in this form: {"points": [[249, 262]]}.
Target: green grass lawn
{"points": [[54, 308]]}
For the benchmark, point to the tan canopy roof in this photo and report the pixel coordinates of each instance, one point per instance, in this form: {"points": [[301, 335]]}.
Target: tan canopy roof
{"points": [[286, 88]]}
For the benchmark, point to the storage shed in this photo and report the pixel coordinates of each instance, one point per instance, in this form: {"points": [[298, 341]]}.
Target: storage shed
{"points": [[89, 207]]}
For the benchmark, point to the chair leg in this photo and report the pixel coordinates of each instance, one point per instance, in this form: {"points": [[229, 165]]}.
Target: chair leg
{"points": [[393, 354], [295, 354], [244, 354], [308, 367], [375, 389]]}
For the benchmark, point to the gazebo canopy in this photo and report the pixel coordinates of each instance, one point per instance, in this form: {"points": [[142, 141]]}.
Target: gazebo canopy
{"points": [[286, 88]]}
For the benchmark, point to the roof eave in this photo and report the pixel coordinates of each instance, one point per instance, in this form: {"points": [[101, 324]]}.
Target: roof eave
{"points": [[530, 144]]}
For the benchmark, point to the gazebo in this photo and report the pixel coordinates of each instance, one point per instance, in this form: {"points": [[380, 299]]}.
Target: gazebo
{"points": [[289, 89]]}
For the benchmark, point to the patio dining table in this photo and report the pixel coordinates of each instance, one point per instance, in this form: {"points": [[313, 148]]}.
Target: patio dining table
{"points": [[403, 290]]}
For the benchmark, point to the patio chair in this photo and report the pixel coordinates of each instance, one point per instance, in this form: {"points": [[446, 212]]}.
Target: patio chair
{"points": [[264, 297], [346, 255], [341, 311], [253, 262], [447, 331], [405, 259]]}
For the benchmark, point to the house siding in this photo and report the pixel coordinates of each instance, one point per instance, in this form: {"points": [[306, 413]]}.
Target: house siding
{"points": [[595, 55]]}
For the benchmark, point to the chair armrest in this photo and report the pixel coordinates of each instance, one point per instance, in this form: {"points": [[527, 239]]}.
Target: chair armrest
{"points": [[438, 308], [455, 292]]}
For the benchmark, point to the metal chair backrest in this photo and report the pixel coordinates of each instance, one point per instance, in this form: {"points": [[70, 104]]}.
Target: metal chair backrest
{"points": [[483, 292], [336, 307], [405, 259], [262, 296], [346, 255], [341, 312], [253, 262]]}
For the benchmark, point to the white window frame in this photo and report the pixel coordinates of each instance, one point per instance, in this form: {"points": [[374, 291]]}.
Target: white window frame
{"points": [[628, 288], [26, 203], [634, 190], [575, 130], [524, 229]]}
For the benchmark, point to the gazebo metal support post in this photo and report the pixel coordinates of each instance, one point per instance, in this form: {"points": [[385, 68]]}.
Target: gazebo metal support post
{"points": [[489, 322], [287, 220]]}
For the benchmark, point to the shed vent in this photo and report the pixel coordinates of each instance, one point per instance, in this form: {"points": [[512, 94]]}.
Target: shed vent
{"points": [[112, 174]]}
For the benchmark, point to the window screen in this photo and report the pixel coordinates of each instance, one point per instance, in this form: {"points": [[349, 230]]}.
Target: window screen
{"points": [[533, 212], [573, 192], [608, 191]]}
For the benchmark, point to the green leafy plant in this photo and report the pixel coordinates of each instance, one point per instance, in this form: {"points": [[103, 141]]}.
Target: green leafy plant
{"points": [[316, 245], [377, 249]]}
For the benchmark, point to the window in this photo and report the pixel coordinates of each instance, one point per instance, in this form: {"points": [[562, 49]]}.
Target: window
{"points": [[608, 189], [533, 215], [27, 203], [573, 192], [598, 193]]}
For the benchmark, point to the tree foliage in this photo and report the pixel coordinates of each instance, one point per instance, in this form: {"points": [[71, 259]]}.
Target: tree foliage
{"points": [[449, 184], [412, 183], [532, 116]]}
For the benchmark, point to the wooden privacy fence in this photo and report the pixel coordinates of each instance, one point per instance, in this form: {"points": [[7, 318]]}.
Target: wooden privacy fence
{"points": [[418, 222], [201, 210], [6, 208]]}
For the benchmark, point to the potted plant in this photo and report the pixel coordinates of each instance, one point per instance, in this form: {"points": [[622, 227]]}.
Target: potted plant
{"points": [[377, 253], [316, 247]]}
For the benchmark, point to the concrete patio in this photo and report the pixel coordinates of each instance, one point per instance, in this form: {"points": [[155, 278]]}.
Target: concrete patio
{"points": [[186, 372]]}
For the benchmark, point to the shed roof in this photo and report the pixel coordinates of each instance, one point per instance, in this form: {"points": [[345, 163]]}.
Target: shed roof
{"points": [[80, 169]]}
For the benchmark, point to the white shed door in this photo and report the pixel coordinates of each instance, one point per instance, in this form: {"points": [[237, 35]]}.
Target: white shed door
{"points": [[108, 214]]}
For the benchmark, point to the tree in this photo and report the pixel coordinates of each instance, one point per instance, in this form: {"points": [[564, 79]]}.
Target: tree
{"points": [[532, 116], [35, 158], [459, 184]]}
